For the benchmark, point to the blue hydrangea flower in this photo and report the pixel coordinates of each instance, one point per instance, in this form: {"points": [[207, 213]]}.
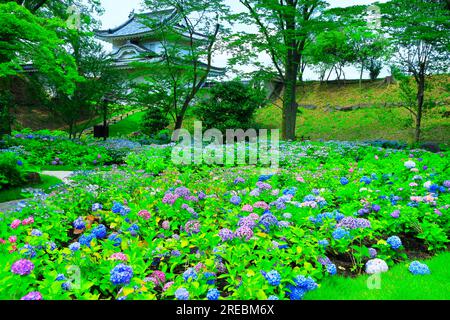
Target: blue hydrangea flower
{"points": [[96, 207], [394, 242], [36, 233], [51, 246], [99, 232], [190, 274], [79, 224], [60, 277], [273, 277], [86, 239], [344, 181], [74, 246], [264, 177], [324, 243], [121, 274], [296, 293], [309, 197], [272, 297], [290, 191], [236, 200], [66, 286], [331, 269], [28, 251], [182, 294], [340, 233], [306, 283], [268, 220], [210, 278], [134, 230], [213, 294], [120, 209], [114, 237], [175, 253], [338, 216], [418, 268], [366, 180]]}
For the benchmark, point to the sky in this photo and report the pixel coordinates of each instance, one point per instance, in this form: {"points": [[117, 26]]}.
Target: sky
{"points": [[117, 12]]}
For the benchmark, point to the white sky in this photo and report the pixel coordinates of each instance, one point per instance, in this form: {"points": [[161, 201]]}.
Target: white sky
{"points": [[116, 13]]}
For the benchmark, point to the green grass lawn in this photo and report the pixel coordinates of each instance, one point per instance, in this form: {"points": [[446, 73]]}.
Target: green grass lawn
{"points": [[357, 125], [397, 284], [16, 193], [126, 126]]}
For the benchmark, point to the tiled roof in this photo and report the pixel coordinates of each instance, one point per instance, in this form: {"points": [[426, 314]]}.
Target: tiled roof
{"points": [[136, 25]]}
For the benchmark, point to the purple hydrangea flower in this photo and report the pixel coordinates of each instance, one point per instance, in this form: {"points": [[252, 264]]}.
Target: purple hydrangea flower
{"points": [[226, 234], [395, 214], [35, 295], [192, 227], [236, 200], [244, 233], [22, 267]]}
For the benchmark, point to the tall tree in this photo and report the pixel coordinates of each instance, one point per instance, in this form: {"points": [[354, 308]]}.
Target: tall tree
{"points": [[188, 43], [419, 33], [32, 32], [283, 28]]}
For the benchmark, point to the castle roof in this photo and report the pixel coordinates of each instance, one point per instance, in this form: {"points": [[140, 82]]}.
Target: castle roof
{"points": [[137, 26]]}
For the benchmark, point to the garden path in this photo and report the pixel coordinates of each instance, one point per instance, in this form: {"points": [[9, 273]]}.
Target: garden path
{"points": [[11, 205]]}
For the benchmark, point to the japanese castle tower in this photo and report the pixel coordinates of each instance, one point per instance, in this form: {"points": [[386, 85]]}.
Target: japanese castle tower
{"points": [[135, 41]]}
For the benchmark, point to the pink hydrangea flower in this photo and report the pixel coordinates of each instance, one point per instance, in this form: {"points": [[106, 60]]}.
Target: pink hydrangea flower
{"points": [[261, 204], [119, 256], [2, 241], [247, 208], [144, 214], [165, 225], [168, 285], [12, 239], [28, 221], [300, 179], [15, 224]]}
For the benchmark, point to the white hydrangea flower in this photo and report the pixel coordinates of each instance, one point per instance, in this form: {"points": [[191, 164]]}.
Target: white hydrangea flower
{"points": [[410, 164], [376, 266], [427, 185]]}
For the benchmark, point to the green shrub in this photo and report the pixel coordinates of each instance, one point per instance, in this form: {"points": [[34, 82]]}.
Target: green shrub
{"points": [[154, 121], [230, 105], [12, 171]]}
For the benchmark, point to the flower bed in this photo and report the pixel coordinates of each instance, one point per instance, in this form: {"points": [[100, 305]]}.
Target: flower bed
{"points": [[153, 230]]}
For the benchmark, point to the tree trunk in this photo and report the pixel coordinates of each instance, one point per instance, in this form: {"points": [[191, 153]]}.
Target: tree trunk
{"points": [[179, 122], [361, 75], [420, 102], [293, 59]]}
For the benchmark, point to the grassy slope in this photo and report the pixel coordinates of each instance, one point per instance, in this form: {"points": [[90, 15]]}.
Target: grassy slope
{"points": [[397, 284], [126, 126], [16, 194], [363, 124]]}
